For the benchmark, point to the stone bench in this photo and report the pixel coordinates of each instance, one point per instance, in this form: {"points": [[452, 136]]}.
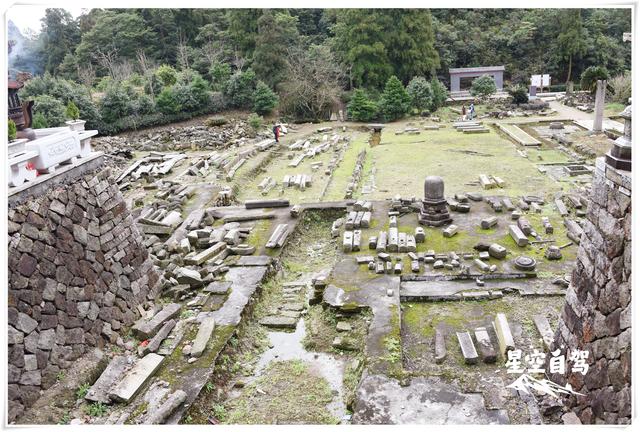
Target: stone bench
{"points": [[18, 171]]}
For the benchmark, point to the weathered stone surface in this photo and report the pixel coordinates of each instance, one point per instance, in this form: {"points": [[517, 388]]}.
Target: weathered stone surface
{"points": [[276, 321], [155, 342], [135, 378], [164, 411], [487, 352], [497, 251], [518, 236], [468, 349], [144, 329], [503, 332], [202, 338], [440, 347], [544, 328], [113, 372]]}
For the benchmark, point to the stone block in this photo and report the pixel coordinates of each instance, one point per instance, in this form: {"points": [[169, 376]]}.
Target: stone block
{"points": [[503, 332], [518, 236], [202, 338], [487, 352], [136, 378], [144, 329], [468, 349]]}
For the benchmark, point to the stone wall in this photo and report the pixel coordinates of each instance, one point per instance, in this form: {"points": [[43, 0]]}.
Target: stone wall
{"points": [[77, 271], [597, 312]]}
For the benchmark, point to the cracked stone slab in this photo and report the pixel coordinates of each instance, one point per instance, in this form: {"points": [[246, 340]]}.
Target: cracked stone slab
{"points": [[135, 379]]}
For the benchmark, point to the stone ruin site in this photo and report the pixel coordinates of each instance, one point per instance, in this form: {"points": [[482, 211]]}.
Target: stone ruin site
{"points": [[351, 273]]}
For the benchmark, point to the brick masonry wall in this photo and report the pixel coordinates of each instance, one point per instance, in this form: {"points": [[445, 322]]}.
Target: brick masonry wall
{"points": [[77, 271], [597, 312]]}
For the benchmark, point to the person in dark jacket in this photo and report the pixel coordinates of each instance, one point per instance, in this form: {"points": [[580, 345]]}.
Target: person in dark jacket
{"points": [[276, 132]]}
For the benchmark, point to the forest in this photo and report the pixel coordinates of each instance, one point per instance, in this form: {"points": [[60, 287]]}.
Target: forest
{"points": [[129, 68]]}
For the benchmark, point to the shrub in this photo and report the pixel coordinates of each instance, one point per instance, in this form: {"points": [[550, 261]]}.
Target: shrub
{"points": [[590, 76], [12, 130], [264, 99], [219, 74], [39, 121], [439, 92], [168, 102], [239, 89], [115, 103], [72, 112], [215, 121], [52, 110], [199, 90], [620, 88], [519, 94], [167, 75], [144, 105], [255, 121], [361, 108], [104, 83], [483, 87], [419, 91], [395, 101]]}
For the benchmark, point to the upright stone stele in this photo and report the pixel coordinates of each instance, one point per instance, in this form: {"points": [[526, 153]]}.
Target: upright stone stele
{"points": [[434, 210], [601, 88], [619, 156]]}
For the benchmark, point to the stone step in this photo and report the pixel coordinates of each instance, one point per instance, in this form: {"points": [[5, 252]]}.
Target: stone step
{"points": [[99, 391], [145, 329], [293, 307], [205, 331], [544, 328], [278, 321], [468, 350], [487, 352], [136, 378], [505, 338]]}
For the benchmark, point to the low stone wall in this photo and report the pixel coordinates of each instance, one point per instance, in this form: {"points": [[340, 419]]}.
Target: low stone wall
{"points": [[597, 312], [77, 271]]}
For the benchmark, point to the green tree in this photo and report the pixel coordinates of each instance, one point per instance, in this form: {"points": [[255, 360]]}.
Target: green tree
{"points": [[264, 99], [519, 94], [571, 41], [115, 104], [60, 35], [483, 87], [439, 92], [277, 32], [239, 89], [167, 75], [590, 76], [12, 131], [361, 108], [168, 101], [50, 108], [419, 91], [395, 101], [39, 121], [243, 30], [219, 74], [72, 112], [255, 121]]}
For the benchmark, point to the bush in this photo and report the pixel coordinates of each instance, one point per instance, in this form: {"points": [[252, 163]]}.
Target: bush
{"points": [[419, 91], [168, 101], [590, 76], [483, 87], [361, 108], [167, 75], [72, 112], [519, 94], [620, 88], [215, 121], [395, 101], [264, 99], [51, 109], [239, 89], [39, 121], [558, 88], [104, 83], [255, 121], [439, 92], [219, 74], [144, 105], [115, 103], [12, 130]]}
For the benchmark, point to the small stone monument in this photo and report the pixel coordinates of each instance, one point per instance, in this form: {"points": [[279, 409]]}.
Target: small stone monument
{"points": [[434, 210], [619, 156], [601, 88]]}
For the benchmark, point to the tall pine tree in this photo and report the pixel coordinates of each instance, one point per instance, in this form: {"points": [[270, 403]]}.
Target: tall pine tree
{"points": [[277, 33]]}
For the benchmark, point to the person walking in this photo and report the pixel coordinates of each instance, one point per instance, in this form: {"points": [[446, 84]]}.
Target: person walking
{"points": [[464, 112], [276, 132], [472, 111]]}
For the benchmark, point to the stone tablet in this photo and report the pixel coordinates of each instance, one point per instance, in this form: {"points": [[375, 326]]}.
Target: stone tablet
{"points": [[483, 266], [466, 346], [440, 347], [489, 222], [487, 352], [144, 329], [114, 370], [497, 251], [364, 259], [525, 226], [544, 328], [135, 379], [202, 338], [402, 242], [518, 236], [392, 246], [450, 231], [373, 242], [419, 235], [381, 246], [357, 236], [411, 243], [415, 266], [347, 241], [508, 204], [505, 339]]}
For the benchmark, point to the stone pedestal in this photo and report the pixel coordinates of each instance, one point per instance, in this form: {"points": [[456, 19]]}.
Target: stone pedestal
{"points": [[619, 156], [434, 210], [596, 316]]}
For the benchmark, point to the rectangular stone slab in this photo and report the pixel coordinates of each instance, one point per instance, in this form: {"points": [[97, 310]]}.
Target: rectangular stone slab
{"points": [[487, 352], [468, 350], [100, 389], [202, 338], [347, 241], [392, 246], [505, 338], [155, 342], [544, 328], [440, 347], [136, 378], [206, 254], [276, 321], [450, 231], [144, 329], [489, 222], [497, 251], [518, 236]]}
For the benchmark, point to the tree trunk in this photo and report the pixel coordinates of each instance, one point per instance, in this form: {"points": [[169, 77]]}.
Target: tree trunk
{"points": [[569, 73]]}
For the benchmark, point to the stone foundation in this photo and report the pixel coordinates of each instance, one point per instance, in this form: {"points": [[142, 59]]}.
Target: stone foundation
{"points": [[597, 312], [77, 271]]}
